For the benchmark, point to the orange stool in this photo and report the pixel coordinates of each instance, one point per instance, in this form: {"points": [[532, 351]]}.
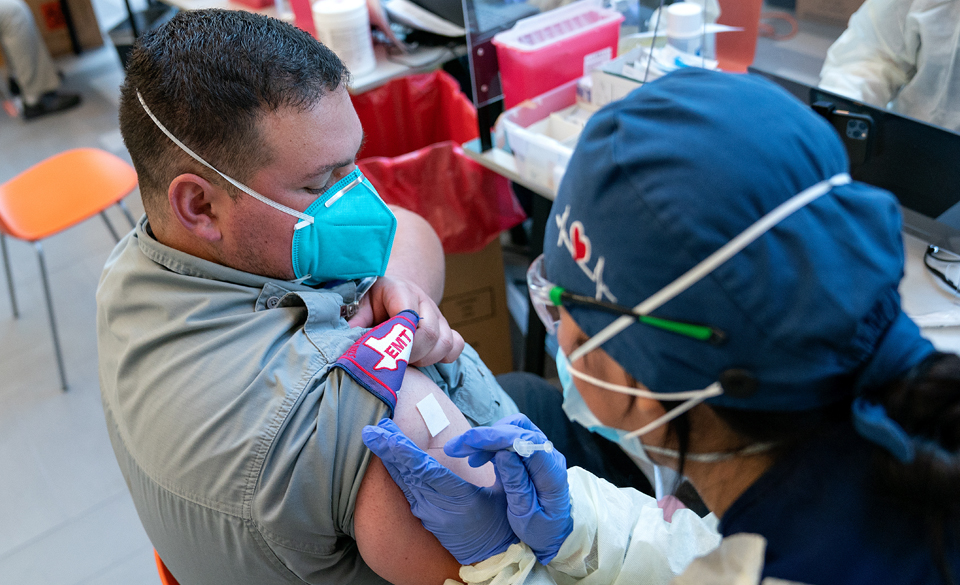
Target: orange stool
{"points": [[54, 195], [166, 578]]}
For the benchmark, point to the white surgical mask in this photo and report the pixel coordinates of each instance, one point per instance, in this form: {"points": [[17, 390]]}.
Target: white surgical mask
{"points": [[579, 412]]}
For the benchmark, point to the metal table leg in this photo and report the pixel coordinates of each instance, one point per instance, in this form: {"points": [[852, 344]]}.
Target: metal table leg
{"points": [[534, 358]]}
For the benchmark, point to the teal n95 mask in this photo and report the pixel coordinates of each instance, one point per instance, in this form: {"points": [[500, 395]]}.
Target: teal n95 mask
{"points": [[348, 238], [346, 233]]}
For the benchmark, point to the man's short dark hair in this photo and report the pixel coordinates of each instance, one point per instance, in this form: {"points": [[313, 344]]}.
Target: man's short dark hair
{"points": [[210, 76]]}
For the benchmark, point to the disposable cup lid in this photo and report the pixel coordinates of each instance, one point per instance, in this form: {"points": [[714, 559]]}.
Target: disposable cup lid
{"points": [[684, 19]]}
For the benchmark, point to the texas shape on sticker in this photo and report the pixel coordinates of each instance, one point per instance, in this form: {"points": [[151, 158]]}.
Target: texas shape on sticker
{"points": [[378, 360], [393, 347]]}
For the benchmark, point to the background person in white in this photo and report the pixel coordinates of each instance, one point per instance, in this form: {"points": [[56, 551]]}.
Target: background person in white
{"points": [[901, 53]]}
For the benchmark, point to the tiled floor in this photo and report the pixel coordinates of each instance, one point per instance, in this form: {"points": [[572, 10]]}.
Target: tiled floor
{"points": [[65, 515]]}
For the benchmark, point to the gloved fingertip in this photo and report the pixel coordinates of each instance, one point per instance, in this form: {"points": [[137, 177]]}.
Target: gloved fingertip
{"points": [[519, 420], [508, 460], [388, 425], [455, 447], [480, 458], [512, 419], [514, 477], [403, 449], [372, 436], [544, 460]]}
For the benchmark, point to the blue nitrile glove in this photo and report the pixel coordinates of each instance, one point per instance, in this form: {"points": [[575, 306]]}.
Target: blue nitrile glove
{"points": [[538, 497], [469, 521]]}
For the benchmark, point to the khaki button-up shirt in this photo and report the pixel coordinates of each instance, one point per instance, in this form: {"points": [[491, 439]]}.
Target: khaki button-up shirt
{"points": [[240, 444]]}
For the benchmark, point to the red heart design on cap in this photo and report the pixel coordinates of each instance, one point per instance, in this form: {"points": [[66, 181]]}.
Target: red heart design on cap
{"points": [[581, 243]]}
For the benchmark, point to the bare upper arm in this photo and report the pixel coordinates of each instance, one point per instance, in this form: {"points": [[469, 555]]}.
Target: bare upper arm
{"points": [[417, 254], [391, 540]]}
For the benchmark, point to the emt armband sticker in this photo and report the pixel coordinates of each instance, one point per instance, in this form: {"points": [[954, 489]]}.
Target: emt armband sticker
{"points": [[378, 360]]}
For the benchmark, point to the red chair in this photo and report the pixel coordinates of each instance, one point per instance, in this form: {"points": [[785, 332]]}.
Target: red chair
{"points": [[166, 578], [56, 194]]}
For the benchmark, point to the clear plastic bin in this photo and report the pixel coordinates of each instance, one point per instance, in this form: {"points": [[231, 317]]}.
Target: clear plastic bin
{"points": [[543, 132], [544, 51]]}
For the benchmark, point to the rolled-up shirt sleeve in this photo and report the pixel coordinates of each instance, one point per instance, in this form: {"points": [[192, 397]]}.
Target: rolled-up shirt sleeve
{"points": [[306, 495]]}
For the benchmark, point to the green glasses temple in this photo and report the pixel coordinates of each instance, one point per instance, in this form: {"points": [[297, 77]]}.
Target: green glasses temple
{"points": [[699, 332]]}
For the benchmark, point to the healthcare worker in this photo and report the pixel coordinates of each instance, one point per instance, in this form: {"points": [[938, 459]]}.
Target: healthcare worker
{"points": [[727, 304], [905, 53]]}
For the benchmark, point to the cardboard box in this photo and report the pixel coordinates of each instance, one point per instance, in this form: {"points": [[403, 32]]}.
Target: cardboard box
{"points": [[832, 11], [52, 24], [475, 304]]}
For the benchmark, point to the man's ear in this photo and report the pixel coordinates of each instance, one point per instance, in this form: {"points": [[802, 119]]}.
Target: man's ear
{"points": [[195, 203]]}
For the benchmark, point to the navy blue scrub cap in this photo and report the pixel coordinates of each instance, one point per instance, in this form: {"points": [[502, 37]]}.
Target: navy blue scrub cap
{"points": [[665, 177]]}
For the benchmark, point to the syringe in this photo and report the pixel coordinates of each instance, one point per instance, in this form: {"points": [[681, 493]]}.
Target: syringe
{"points": [[526, 448]]}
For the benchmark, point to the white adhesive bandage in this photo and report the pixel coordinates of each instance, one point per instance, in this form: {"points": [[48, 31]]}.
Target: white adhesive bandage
{"points": [[433, 415]]}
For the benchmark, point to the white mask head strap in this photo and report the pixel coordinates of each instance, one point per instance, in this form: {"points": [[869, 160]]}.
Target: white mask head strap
{"points": [[692, 398], [305, 219], [712, 390], [711, 457]]}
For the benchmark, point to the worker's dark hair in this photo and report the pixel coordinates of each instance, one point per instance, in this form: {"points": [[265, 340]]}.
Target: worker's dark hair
{"points": [[209, 76], [925, 403]]}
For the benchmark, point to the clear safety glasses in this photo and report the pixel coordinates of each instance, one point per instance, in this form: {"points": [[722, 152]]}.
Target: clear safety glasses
{"points": [[947, 271], [548, 298]]}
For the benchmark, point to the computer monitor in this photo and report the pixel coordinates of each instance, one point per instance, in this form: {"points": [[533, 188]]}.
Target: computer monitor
{"points": [[487, 15], [916, 161]]}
